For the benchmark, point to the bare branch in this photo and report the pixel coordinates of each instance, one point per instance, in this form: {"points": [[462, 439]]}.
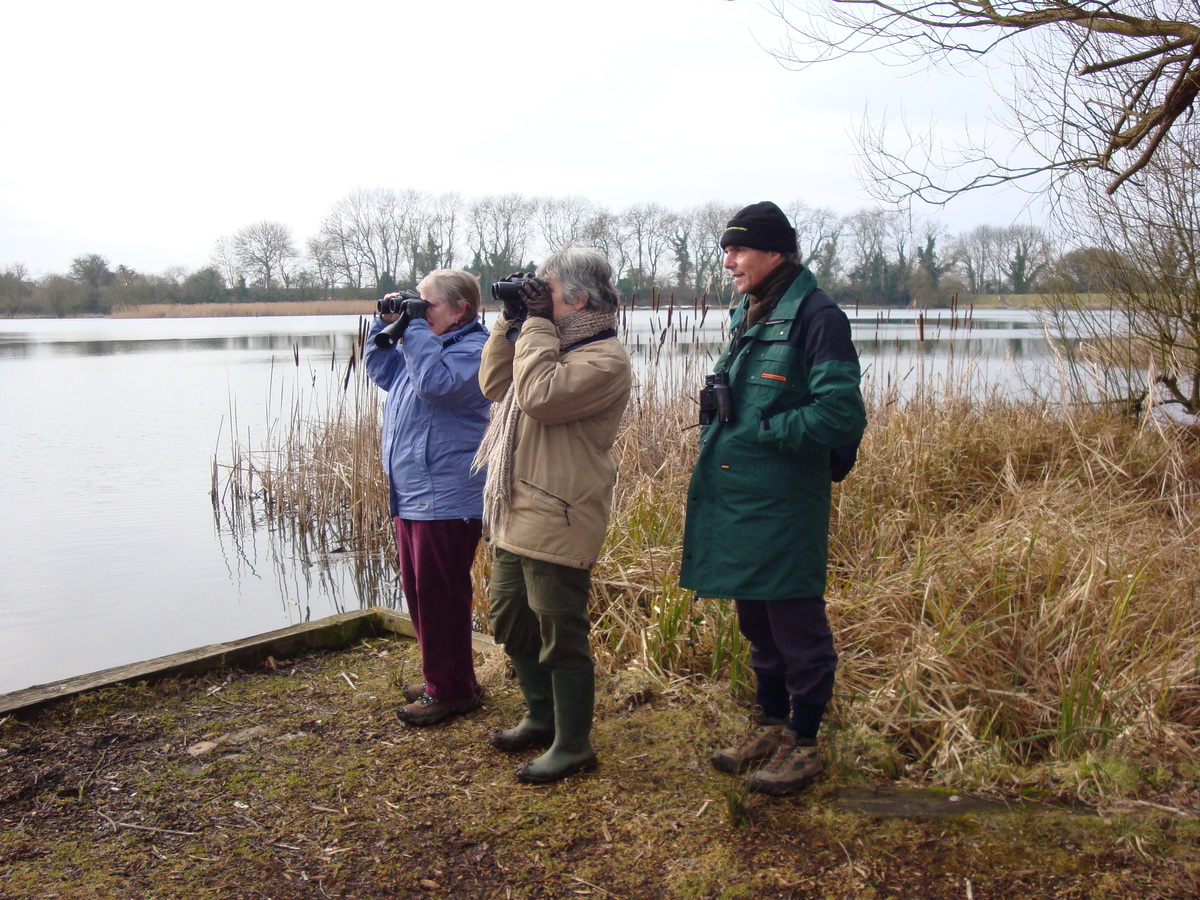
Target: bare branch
{"points": [[1104, 83]]}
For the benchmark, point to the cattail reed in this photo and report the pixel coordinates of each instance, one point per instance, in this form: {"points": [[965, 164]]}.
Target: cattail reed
{"points": [[1012, 582]]}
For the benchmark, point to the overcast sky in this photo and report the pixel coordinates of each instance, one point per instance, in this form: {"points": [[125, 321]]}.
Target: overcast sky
{"points": [[144, 131]]}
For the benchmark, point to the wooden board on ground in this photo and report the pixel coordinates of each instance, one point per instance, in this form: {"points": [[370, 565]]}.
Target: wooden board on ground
{"points": [[325, 634]]}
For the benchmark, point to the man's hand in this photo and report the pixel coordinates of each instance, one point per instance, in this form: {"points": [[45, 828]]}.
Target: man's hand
{"points": [[538, 299]]}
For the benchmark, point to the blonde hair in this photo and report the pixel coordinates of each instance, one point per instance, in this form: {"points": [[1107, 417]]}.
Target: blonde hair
{"points": [[456, 286]]}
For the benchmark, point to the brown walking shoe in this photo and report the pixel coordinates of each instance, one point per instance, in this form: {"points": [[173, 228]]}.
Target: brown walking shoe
{"points": [[793, 768], [412, 692], [427, 709], [761, 740]]}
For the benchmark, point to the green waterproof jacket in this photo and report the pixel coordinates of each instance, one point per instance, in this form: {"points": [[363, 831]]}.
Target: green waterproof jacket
{"points": [[757, 524]]}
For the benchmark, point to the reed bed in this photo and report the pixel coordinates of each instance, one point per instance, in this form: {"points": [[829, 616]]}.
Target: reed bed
{"points": [[1013, 583], [257, 308]]}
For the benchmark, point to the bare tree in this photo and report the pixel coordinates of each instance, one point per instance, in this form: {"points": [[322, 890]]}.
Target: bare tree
{"points": [[370, 235], [442, 221], [680, 237], [499, 232], [563, 220], [978, 253], [322, 253], [1099, 84], [225, 260], [1003, 259], [264, 250], [1028, 256], [710, 221], [881, 261], [1145, 344], [818, 235], [648, 227], [603, 231]]}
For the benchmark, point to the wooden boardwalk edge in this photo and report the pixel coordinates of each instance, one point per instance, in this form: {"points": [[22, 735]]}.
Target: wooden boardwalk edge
{"points": [[331, 633]]}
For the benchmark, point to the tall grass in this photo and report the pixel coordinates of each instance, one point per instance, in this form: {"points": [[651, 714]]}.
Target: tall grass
{"points": [[1012, 583], [256, 308]]}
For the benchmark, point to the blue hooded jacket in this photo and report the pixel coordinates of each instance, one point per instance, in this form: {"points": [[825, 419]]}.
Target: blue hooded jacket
{"points": [[433, 420]]}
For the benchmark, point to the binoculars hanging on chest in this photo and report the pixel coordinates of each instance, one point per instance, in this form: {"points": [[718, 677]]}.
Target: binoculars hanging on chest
{"points": [[716, 399]]}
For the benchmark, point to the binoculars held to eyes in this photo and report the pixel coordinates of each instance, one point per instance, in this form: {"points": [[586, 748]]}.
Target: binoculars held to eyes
{"points": [[507, 292], [390, 306]]}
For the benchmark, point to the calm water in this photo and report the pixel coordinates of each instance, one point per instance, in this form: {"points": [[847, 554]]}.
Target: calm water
{"points": [[109, 550]]}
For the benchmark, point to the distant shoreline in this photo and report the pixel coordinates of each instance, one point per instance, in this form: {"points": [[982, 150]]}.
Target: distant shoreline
{"points": [[366, 307]]}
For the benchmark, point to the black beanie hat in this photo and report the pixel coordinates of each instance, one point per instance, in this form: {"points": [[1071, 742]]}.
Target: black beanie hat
{"points": [[762, 226]]}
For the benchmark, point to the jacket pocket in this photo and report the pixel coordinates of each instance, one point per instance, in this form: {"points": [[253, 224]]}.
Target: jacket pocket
{"points": [[777, 366], [552, 499]]}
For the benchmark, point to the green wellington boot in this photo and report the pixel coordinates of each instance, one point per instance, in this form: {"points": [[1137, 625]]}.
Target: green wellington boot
{"points": [[536, 728], [571, 752]]}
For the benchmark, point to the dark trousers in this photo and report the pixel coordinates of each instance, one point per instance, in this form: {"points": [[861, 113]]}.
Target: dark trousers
{"points": [[539, 610], [435, 574], [792, 655]]}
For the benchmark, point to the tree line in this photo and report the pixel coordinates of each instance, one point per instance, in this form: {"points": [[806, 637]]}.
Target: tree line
{"points": [[376, 240]]}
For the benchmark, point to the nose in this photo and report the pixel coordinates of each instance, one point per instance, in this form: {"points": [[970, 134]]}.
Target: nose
{"points": [[728, 264]]}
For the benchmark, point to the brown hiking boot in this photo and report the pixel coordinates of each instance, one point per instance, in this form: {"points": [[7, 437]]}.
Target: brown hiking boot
{"points": [[761, 740], [427, 709], [412, 692], [791, 769]]}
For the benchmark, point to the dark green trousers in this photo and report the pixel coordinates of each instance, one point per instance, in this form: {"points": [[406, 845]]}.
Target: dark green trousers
{"points": [[539, 610]]}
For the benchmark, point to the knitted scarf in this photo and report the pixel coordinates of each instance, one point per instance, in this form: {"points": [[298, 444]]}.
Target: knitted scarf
{"points": [[500, 440]]}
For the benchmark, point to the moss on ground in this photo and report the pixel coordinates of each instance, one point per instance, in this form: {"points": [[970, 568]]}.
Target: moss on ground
{"points": [[296, 781]]}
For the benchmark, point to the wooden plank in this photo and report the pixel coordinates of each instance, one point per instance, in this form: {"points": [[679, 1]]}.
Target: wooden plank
{"points": [[324, 634], [331, 633], [401, 623]]}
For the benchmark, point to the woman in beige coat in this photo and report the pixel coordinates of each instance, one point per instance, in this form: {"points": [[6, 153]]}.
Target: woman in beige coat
{"points": [[562, 383]]}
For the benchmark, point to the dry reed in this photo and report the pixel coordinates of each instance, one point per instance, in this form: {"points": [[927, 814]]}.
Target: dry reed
{"points": [[220, 310], [1013, 585]]}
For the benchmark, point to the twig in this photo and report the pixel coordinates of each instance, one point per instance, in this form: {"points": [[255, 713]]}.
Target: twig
{"points": [[83, 785], [146, 827], [1159, 806], [703, 807], [596, 886]]}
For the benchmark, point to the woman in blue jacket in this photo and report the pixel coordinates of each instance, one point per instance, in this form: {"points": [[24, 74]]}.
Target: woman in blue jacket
{"points": [[433, 421]]}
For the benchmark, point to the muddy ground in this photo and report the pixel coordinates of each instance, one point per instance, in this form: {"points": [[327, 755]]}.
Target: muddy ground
{"points": [[295, 780]]}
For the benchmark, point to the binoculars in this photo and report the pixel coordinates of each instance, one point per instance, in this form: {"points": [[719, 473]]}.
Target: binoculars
{"points": [[507, 292], [390, 306], [716, 399]]}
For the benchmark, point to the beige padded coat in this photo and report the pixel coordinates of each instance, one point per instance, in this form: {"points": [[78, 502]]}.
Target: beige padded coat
{"points": [[563, 469]]}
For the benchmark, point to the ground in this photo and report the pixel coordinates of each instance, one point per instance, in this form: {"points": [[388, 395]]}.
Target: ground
{"points": [[296, 781]]}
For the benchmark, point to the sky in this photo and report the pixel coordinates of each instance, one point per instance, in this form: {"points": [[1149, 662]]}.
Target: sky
{"points": [[146, 131]]}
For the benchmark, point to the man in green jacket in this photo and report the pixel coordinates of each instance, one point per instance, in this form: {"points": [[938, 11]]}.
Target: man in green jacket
{"points": [[785, 411]]}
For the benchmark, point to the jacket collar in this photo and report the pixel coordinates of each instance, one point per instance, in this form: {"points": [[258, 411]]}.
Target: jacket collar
{"points": [[453, 337]]}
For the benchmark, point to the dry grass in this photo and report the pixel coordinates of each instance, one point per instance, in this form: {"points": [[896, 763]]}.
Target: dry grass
{"points": [[1013, 586], [364, 307]]}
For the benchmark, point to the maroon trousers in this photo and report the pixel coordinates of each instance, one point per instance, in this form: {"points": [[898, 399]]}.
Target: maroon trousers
{"points": [[435, 574]]}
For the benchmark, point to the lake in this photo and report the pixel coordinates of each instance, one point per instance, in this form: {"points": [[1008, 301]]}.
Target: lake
{"points": [[110, 552]]}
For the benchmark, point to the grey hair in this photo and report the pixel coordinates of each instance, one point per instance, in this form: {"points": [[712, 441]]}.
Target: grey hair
{"points": [[584, 273], [457, 287]]}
